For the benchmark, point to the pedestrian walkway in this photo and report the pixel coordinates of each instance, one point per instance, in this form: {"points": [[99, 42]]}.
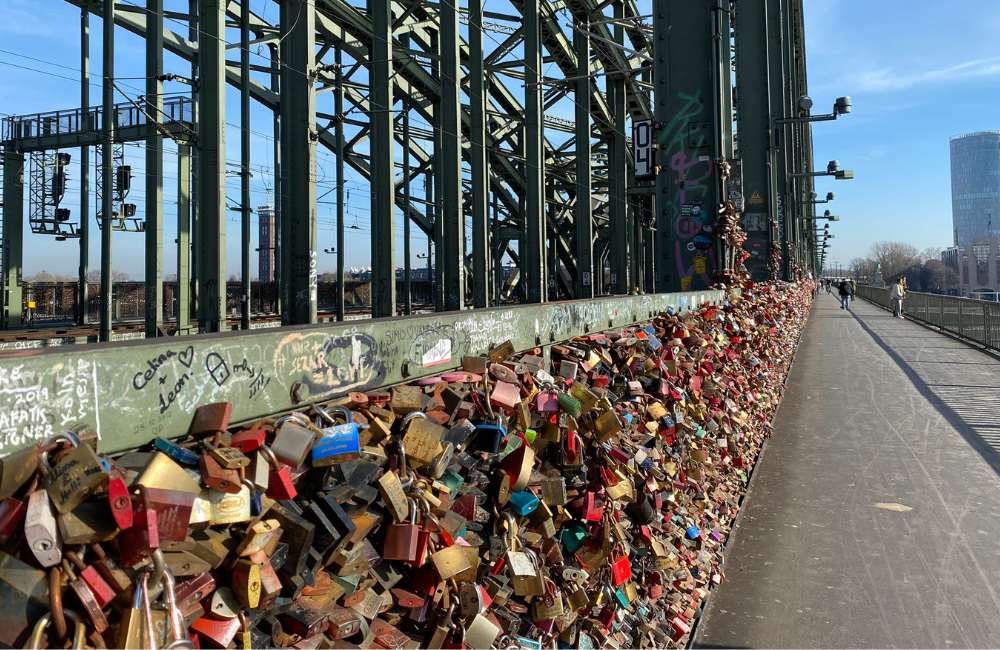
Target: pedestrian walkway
{"points": [[873, 518]]}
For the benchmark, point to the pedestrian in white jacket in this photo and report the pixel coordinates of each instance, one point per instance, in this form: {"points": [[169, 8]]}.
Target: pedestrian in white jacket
{"points": [[896, 294]]}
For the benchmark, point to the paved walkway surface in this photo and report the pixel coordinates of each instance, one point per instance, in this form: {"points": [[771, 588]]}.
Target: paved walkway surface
{"points": [[873, 519]]}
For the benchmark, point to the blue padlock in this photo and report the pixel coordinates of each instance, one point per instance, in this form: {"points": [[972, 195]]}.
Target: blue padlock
{"points": [[692, 532], [488, 437], [339, 444], [176, 452], [523, 503]]}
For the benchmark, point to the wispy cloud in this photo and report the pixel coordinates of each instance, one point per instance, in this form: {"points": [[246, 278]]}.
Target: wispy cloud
{"points": [[888, 79]]}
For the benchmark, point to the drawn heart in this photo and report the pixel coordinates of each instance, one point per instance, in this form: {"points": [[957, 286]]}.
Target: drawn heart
{"points": [[186, 356]]}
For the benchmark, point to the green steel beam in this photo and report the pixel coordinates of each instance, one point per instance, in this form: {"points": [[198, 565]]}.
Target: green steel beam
{"points": [[481, 252], [338, 107], [617, 161], [83, 269], [13, 237], [778, 159], [154, 168], [129, 393], [688, 107], [532, 254], [583, 214], [245, 207], [382, 168], [183, 291], [210, 243], [298, 139], [450, 126], [107, 170], [754, 118]]}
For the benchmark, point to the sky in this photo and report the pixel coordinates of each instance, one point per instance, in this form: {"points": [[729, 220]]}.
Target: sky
{"points": [[931, 75], [918, 72]]}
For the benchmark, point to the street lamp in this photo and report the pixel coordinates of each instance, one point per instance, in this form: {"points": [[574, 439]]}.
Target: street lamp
{"points": [[825, 216], [841, 106], [832, 169], [829, 198]]}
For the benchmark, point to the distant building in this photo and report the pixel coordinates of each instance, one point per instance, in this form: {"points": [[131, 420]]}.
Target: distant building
{"points": [[975, 186], [266, 236], [977, 266]]}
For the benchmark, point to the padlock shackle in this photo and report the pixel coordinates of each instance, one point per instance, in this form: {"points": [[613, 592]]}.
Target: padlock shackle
{"points": [[79, 631], [147, 612]]}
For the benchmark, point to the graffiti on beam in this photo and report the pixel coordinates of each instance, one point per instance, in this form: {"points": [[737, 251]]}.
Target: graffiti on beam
{"points": [[691, 171], [328, 365]]}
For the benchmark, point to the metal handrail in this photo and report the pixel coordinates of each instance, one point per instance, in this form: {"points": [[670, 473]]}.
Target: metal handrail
{"points": [[968, 318]]}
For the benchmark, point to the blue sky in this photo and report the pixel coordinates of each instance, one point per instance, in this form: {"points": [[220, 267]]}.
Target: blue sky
{"points": [[919, 72]]}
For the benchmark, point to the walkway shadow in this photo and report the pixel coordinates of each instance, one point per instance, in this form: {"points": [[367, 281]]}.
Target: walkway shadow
{"points": [[972, 411]]}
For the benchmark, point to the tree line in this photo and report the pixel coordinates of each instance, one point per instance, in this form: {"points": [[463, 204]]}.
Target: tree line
{"points": [[924, 271]]}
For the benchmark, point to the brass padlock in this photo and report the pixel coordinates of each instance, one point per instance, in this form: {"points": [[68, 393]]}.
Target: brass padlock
{"points": [[75, 476]]}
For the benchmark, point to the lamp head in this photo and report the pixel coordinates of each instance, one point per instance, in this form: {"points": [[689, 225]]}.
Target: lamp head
{"points": [[833, 167], [829, 196], [842, 106]]}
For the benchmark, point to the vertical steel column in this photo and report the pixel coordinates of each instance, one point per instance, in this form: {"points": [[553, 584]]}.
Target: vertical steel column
{"points": [[13, 236], [81, 284], [154, 168], [107, 169], [433, 292], [777, 159], [383, 234], [194, 8], [722, 113], [245, 209], [533, 253], [450, 126], [481, 250], [278, 179], [338, 107], [183, 292], [583, 217], [688, 106], [404, 40], [298, 141], [617, 173], [210, 246]]}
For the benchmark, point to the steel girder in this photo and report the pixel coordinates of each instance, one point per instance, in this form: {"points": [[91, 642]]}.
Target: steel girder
{"points": [[340, 24]]}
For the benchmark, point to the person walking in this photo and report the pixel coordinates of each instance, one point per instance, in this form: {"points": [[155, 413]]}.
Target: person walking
{"points": [[846, 291], [896, 294]]}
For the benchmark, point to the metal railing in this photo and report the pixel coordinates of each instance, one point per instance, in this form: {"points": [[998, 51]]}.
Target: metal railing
{"points": [[177, 109], [975, 320]]}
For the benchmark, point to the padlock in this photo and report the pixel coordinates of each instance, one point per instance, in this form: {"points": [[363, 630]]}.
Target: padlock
{"points": [[217, 477], [229, 458], [518, 465], [173, 511], [339, 443], [40, 530], [87, 599], [246, 582], [279, 482], [210, 419], [450, 561], [137, 543], [293, 440], [523, 503], [401, 539], [102, 591], [422, 439], [77, 475], [17, 468], [488, 436]]}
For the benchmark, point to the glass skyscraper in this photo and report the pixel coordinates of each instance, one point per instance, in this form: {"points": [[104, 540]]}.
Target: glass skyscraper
{"points": [[975, 186]]}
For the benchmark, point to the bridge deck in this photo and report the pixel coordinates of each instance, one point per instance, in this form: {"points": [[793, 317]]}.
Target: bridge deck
{"points": [[874, 517]]}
